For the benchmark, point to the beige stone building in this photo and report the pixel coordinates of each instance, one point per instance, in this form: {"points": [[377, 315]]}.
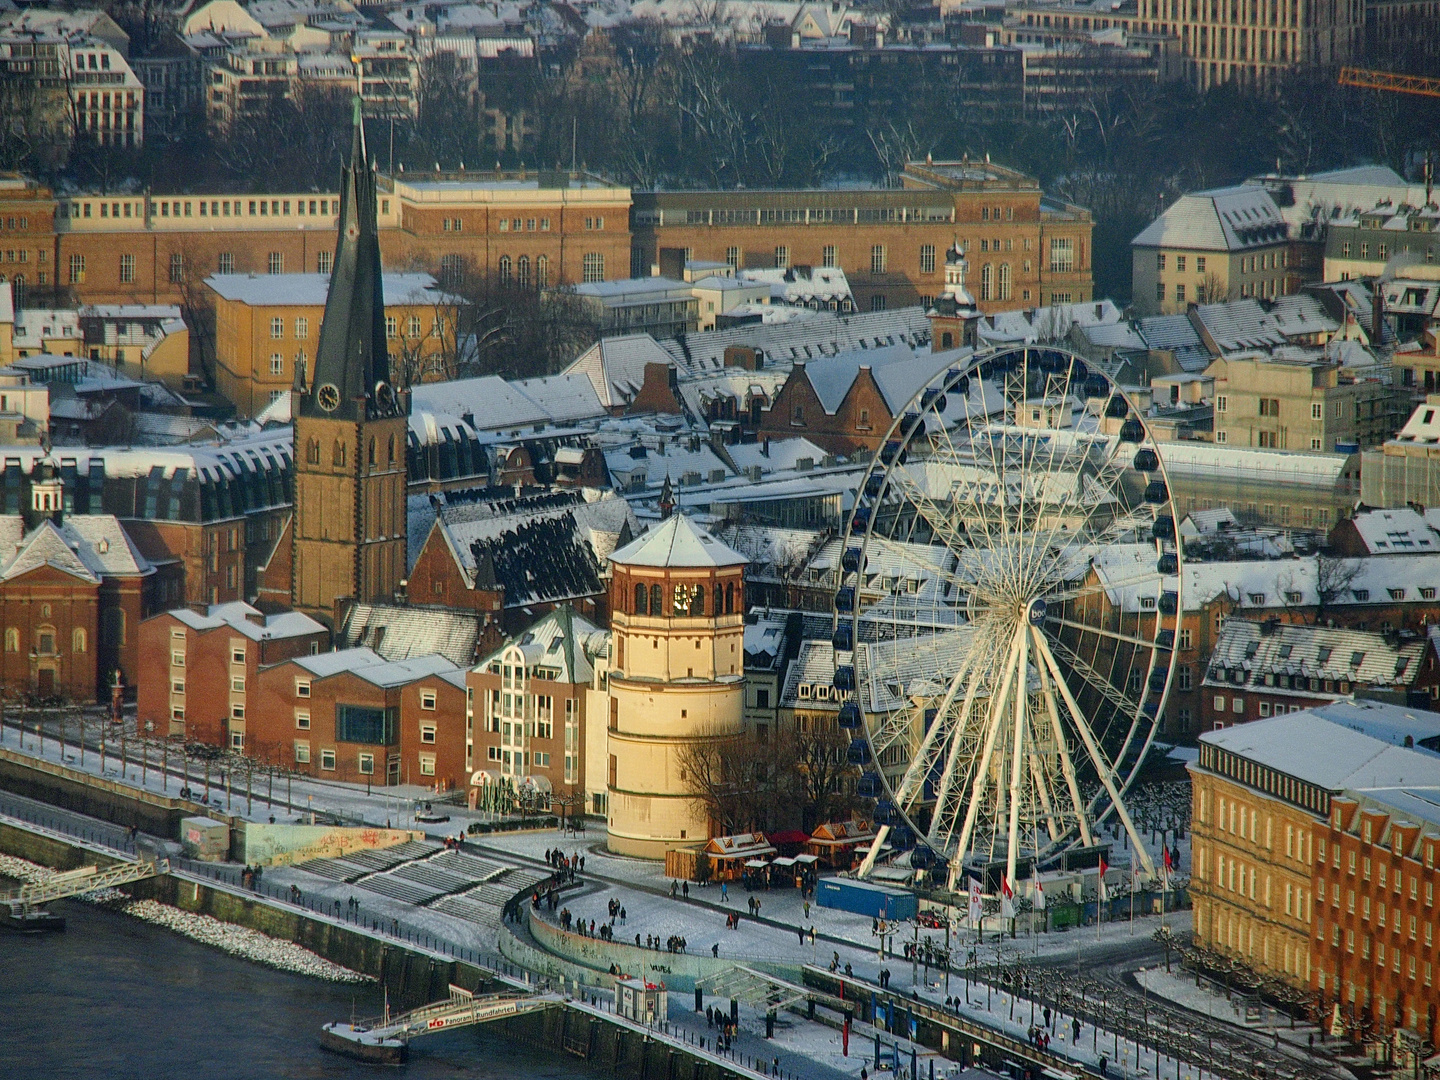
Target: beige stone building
{"points": [[677, 680], [1310, 405], [1209, 247], [1253, 827]]}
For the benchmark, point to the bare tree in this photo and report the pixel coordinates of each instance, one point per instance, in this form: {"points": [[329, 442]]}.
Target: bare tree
{"points": [[816, 771], [732, 779], [1333, 575]]}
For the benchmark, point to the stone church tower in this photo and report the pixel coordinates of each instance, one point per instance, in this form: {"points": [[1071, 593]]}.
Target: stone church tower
{"points": [[350, 426]]}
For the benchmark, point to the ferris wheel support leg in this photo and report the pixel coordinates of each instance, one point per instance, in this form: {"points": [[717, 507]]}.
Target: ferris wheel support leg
{"points": [[1067, 765], [1042, 792], [1021, 695], [1105, 772], [982, 770], [869, 863], [947, 778]]}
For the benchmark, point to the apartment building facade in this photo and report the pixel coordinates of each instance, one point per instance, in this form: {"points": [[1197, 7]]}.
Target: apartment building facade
{"points": [[1256, 44], [1026, 250], [1306, 405], [1253, 834]]}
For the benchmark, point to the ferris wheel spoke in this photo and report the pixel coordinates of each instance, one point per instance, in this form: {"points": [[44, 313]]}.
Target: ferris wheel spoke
{"points": [[1100, 631], [1042, 792], [1062, 747], [1097, 681], [1097, 758]]}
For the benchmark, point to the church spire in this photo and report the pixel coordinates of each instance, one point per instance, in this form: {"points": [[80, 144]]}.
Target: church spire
{"points": [[351, 376]]}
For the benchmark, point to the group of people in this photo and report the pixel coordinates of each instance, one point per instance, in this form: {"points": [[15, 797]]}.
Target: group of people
{"points": [[732, 920], [674, 943], [455, 843], [728, 1028], [1039, 1037], [558, 860], [835, 965], [250, 877]]}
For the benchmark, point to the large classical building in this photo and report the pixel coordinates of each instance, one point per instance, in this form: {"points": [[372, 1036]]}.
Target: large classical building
{"points": [[677, 680], [1026, 249]]}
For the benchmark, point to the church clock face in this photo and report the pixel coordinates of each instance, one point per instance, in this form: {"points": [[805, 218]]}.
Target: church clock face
{"points": [[384, 396], [328, 397]]}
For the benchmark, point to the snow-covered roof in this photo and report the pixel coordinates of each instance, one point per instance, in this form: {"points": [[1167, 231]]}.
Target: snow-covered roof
{"points": [[558, 641], [1323, 652], [1223, 219], [1395, 531], [677, 542], [1319, 751], [402, 632], [250, 622], [899, 371], [290, 290]]}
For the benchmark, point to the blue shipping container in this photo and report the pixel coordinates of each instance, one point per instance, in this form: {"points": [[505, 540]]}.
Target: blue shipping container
{"points": [[862, 898]]}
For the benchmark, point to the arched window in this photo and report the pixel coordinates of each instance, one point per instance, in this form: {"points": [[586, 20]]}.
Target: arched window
{"points": [[657, 601], [372, 449], [504, 271], [392, 450], [987, 273], [337, 456], [542, 271], [522, 271], [697, 601], [77, 640], [730, 598], [640, 595], [12, 639], [1004, 281], [312, 451]]}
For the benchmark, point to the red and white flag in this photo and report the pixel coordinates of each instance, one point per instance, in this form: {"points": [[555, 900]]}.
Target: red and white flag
{"points": [[1039, 896], [1007, 898], [1104, 866], [975, 908], [1168, 867]]}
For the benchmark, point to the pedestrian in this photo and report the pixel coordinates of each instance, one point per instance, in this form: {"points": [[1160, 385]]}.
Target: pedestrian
{"points": [[582, 863], [801, 932], [674, 888], [685, 889], [1103, 1064], [622, 914], [715, 950], [807, 909], [724, 893], [1075, 1029]]}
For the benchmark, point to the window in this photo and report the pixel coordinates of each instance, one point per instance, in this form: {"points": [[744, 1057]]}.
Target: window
{"points": [[177, 268], [302, 719], [327, 759], [1180, 263], [1004, 281], [1317, 410], [503, 272], [127, 269], [542, 272], [78, 641], [592, 267], [302, 328], [1221, 402], [782, 255], [732, 257], [1199, 264], [277, 328], [177, 659], [427, 700], [1270, 407], [986, 276], [237, 740], [77, 269], [1186, 638], [237, 712], [392, 327], [277, 364], [224, 262], [322, 262], [427, 764], [365, 724], [427, 733], [1179, 294], [1183, 676], [877, 259], [302, 753], [927, 258], [1159, 290], [1062, 255], [237, 684], [366, 764], [275, 264], [829, 257]]}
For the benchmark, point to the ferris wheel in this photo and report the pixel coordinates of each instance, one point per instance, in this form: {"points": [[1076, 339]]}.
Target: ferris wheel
{"points": [[1006, 610]]}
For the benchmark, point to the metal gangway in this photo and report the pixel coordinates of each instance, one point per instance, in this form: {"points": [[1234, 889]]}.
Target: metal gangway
{"points": [[85, 879], [386, 1037]]}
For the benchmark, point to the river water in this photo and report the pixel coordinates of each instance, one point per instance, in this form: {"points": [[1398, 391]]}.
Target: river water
{"points": [[116, 997]]}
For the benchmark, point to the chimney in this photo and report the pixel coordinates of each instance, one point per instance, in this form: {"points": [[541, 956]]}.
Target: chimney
{"points": [[1377, 315]]}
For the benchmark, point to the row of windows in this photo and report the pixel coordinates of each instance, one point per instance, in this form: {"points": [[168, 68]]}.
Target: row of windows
{"points": [[225, 264], [527, 224], [45, 640], [208, 208], [518, 273], [686, 600]]}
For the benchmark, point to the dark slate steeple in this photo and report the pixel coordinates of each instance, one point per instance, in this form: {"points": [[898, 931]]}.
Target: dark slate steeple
{"points": [[351, 377]]}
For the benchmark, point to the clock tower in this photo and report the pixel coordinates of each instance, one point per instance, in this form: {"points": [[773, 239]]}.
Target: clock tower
{"points": [[348, 531]]}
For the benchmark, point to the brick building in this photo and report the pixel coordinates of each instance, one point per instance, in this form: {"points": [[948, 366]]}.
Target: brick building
{"points": [[354, 717], [522, 229], [528, 701], [197, 676], [845, 403], [1026, 249]]}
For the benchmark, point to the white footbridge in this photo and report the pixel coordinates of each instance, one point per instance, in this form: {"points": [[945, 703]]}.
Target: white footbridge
{"points": [[386, 1038], [77, 882]]}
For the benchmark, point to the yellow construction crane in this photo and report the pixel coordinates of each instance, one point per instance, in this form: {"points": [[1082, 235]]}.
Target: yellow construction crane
{"points": [[1388, 80]]}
